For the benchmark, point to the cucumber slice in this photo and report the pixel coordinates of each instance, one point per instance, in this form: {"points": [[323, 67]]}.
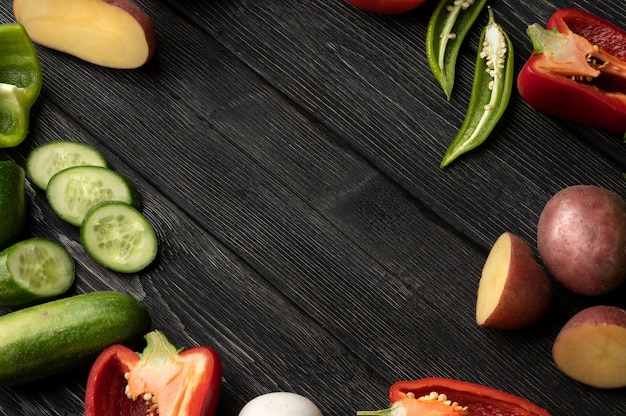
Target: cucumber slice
{"points": [[46, 160], [12, 203], [74, 191], [119, 237], [34, 270]]}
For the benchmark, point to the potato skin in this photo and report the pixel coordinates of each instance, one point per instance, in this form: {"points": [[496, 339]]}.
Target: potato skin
{"points": [[589, 348], [596, 315], [581, 239]]}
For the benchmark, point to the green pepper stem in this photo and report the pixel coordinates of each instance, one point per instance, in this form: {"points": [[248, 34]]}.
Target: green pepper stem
{"points": [[383, 412]]}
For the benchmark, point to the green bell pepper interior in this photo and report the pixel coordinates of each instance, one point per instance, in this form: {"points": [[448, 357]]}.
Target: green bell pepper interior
{"points": [[20, 82]]}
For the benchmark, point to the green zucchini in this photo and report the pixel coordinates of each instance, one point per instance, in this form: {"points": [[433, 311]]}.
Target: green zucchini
{"points": [[67, 334]]}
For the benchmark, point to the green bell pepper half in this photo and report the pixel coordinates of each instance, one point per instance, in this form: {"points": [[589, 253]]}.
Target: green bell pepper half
{"points": [[20, 83]]}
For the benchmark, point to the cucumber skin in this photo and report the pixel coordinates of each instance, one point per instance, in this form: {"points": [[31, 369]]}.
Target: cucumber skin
{"points": [[66, 334], [89, 243], [12, 203], [11, 294]]}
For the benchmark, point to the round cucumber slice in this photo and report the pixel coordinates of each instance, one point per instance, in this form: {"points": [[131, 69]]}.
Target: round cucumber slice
{"points": [[72, 192], [46, 160], [34, 270], [119, 237]]}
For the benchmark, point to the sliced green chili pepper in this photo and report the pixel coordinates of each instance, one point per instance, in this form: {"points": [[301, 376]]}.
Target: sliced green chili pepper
{"points": [[491, 90], [448, 25], [20, 82]]}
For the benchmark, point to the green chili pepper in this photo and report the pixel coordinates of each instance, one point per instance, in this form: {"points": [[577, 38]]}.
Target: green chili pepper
{"points": [[491, 90], [447, 27], [20, 82]]}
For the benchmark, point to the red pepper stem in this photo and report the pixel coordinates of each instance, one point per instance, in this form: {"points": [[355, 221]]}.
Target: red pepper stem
{"points": [[572, 55]]}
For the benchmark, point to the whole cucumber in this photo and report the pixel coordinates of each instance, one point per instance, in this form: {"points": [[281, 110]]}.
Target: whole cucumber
{"points": [[66, 334]]}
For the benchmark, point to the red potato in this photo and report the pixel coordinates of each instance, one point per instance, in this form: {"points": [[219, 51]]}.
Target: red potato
{"points": [[514, 291], [110, 33], [591, 347], [581, 239]]}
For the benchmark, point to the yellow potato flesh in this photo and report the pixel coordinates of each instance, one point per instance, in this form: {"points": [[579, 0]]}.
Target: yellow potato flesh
{"points": [[92, 30], [593, 354], [493, 279]]}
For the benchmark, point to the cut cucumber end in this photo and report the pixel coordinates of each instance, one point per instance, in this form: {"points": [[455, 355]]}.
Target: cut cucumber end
{"points": [[72, 192], [12, 203], [33, 270], [119, 237], [50, 158]]}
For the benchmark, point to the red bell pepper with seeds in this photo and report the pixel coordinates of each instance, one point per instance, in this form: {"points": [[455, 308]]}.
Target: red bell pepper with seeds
{"points": [[159, 381], [577, 70], [447, 397]]}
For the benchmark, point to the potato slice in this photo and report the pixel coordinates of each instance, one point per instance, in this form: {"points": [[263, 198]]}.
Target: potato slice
{"points": [[110, 33], [514, 291], [591, 347]]}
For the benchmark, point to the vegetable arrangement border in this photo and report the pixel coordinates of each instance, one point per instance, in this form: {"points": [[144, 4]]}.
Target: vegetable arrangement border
{"points": [[578, 62]]}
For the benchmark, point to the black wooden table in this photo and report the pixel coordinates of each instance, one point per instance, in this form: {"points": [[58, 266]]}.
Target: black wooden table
{"points": [[288, 155]]}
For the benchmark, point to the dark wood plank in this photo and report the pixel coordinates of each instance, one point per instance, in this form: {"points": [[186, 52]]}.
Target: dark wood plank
{"points": [[391, 111]]}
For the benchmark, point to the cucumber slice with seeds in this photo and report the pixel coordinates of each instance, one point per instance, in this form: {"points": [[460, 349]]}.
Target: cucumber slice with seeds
{"points": [[34, 270], [72, 192], [119, 237], [46, 160]]}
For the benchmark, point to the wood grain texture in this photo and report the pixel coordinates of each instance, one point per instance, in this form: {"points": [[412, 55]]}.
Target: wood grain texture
{"points": [[288, 156]]}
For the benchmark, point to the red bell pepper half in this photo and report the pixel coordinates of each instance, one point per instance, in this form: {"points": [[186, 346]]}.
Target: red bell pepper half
{"points": [[577, 70], [159, 381], [447, 397]]}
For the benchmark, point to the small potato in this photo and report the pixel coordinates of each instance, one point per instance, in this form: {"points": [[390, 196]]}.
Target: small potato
{"points": [[591, 347], [581, 239]]}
